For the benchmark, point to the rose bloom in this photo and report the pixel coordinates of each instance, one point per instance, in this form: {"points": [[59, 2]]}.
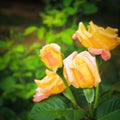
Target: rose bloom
{"points": [[50, 54], [49, 85], [98, 40], [81, 70]]}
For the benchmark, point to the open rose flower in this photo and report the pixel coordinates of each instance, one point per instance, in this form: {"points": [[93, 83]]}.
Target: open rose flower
{"points": [[50, 54], [98, 40], [49, 85], [81, 70]]}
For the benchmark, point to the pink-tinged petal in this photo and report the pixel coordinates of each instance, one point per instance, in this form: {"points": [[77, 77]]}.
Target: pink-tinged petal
{"points": [[104, 53], [74, 36], [69, 58], [68, 69], [41, 94]]}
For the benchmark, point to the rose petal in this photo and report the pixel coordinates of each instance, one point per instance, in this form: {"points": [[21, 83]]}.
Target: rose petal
{"points": [[41, 94], [74, 36], [67, 67], [104, 53]]}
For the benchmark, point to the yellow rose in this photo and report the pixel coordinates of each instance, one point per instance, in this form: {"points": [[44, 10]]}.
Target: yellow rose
{"points": [[81, 70], [50, 54], [49, 85], [98, 40]]}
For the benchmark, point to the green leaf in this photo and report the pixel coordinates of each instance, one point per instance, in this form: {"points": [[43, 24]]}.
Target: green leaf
{"points": [[1, 101], [4, 60], [78, 3], [5, 44], [8, 83], [115, 115], [89, 8], [67, 2], [69, 11], [19, 48], [2, 63], [54, 108], [66, 36], [48, 20], [10, 113], [109, 91], [50, 37], [27, 92], [65, 93], [73, 114], [41, 32], [40, 73], [27, 74], [109, 109], [89, 94], [47, 109], [31, 62], [30, 30], [36, 45], [59, 19], [116, 87], [18, 86]]}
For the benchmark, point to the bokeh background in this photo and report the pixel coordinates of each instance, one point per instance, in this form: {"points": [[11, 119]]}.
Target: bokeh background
{"points": [[27, 25]]}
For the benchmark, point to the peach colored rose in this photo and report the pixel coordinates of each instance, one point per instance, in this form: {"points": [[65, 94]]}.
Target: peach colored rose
{"points": [[41, 94], [81, 70], [50, 54], [98, 40], [49, 85]]}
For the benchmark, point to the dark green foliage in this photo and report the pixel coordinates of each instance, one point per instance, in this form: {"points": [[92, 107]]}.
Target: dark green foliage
{"points": [[18, 69], [66, 12], [109, 110], [55, 108]]}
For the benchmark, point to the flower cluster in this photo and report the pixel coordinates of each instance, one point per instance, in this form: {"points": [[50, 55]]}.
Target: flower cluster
{"points": [[79, 69]]}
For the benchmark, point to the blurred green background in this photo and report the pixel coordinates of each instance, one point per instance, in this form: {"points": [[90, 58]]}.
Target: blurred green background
{"points": [[27, 25]]}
